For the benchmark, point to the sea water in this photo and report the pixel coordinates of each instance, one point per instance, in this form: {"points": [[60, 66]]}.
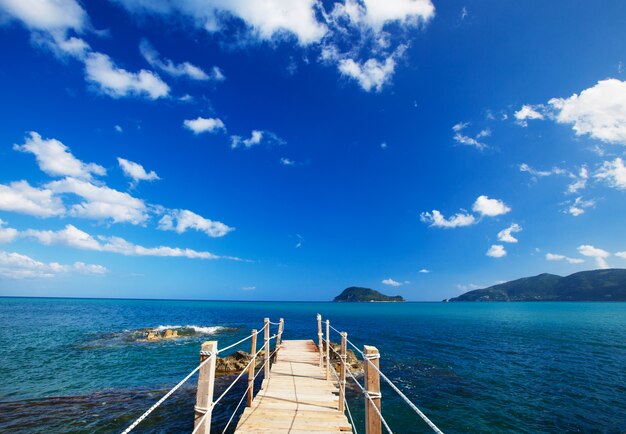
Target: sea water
{"points": [[77, 365]]}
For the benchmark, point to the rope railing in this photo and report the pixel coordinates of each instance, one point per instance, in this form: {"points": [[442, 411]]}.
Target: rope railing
{"points": [[209, 356], [245, 393], [163, 399], [363, 390], [245, 369], [367, 359], [241, 341], [344, 397]]}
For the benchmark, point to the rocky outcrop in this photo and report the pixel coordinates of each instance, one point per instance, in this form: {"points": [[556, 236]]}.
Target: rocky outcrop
{"points": [[157, 335], [353, 363], [234, 363]]}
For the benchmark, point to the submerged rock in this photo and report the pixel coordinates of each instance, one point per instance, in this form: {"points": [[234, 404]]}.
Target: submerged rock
{"points": [[235, 363]]}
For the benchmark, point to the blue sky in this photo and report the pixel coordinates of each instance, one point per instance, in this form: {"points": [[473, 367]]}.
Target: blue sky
{"points": [[283, 151]]}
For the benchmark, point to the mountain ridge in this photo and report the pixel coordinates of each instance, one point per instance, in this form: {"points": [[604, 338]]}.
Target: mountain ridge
{"points": [[592, 285]]}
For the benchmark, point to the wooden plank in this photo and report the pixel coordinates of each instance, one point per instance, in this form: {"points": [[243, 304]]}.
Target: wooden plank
{"points": [[296, 397]]}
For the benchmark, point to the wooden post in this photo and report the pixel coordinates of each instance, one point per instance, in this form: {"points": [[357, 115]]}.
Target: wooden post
{"points": [[373, 423], [266, 326], [327, 350], [206, 382], [251, 369], [319, 339], [342, 372], [281, 325]]}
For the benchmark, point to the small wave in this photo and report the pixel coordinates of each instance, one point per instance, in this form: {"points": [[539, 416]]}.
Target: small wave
{"points": [[204, 330]]}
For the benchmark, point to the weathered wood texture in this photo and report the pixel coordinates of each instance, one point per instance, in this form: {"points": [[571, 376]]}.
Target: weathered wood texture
{"points": [[373, 423], [251, 369], [296, 398], [206, 383]]}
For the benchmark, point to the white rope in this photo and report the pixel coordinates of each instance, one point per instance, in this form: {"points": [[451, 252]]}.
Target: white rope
{"points": [[245, 393], [334, 328], [407, 400], [367, 395], [344, 399], [241, 373], [184, 380], [240, 341], [167, 395], [201, 421], [274, 323], [368, 358]]}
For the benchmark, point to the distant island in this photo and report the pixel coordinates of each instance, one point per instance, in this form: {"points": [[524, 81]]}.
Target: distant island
{"points": [[357, 294], [594, 285]]}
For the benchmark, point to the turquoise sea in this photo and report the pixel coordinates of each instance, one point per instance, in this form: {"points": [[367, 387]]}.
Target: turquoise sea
{"points": [[74, 365]]}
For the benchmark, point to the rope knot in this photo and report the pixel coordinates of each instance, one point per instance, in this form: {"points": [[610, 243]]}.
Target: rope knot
{"points": [[202, 410], [373, 395], [206, 353], [372, 356]]}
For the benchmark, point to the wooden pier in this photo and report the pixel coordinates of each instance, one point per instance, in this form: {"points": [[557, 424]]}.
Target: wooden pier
{"points": [[301, 392], [296, 398]]}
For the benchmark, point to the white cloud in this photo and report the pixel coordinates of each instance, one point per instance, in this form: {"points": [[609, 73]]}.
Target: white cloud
{"points": [[424, 270], [490, 207], [6, 234], [136, 172], [613, 173], [436, 219], [204, 125], [505, 234], [101, 202], [18, 266], [464, 139], [579, 205], [71, 236], [391, 282], [47, 15], [256, 138], [20, 197], [496, 251], [287, 162], [460, 126], [528, 112], [557, 257], [351, 35], [179, 220], [541, 173], [598, 254], [300, 241], [621, 254], [599, 111], [248, 288], [55, 159], [74, 237], [580, 182], [184, 69], [464, 13], [118, 82], [377, 13], [266, 20], [371, 74]]}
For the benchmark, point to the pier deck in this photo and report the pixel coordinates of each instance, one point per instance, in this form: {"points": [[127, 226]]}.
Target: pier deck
{"points": [[296, 398]]}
